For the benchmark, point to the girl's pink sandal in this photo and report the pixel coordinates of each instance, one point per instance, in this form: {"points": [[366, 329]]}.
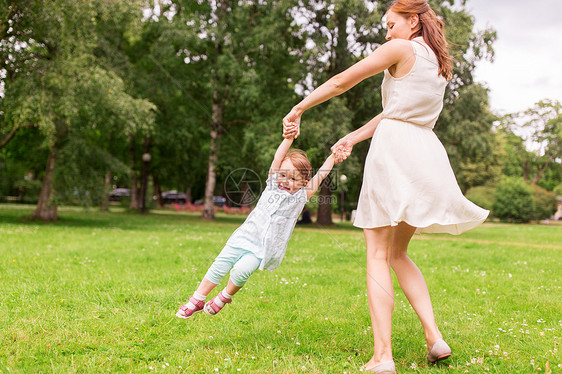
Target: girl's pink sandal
{"points": [[185, 312], [211, 308]]}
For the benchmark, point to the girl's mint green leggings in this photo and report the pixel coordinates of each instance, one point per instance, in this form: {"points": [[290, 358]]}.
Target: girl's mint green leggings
{"points": [[242, 262]]}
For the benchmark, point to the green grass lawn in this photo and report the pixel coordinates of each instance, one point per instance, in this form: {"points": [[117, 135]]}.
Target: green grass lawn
{"points": [[98, 292]]}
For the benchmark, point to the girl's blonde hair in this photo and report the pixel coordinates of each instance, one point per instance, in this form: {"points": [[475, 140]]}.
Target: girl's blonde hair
{"points": [[431, 29], [300, 161]]}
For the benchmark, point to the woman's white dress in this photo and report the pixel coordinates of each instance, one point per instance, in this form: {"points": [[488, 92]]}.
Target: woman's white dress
{"points": [[408, 177]]}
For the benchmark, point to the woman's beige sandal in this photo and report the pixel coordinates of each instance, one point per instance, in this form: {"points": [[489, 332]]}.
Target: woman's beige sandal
{"points": [[439, 351]]}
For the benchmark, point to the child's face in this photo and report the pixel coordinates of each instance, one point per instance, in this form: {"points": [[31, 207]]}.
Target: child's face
{"points": [[289, 178]]}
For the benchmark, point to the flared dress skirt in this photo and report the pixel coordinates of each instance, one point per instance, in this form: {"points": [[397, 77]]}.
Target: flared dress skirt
{"points": [[408, 178]]}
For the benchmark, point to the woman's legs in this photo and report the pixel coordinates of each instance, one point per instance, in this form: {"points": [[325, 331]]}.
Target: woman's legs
{"points": [[380, 291], [412, 281], [387, 246]]}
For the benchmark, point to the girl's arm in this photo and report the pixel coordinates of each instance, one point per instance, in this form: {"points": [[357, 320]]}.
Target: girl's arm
{"points": [[280, 155], [314, 183], [390, 53]]}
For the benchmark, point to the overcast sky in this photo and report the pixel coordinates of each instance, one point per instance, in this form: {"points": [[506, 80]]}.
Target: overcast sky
{"points": [[528, 51]]}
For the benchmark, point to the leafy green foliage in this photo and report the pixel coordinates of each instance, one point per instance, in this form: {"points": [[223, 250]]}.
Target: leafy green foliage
{"points": [[483, 196], [545, 202], [55, 83], [535, 153], [514, 201], [465, 128]]}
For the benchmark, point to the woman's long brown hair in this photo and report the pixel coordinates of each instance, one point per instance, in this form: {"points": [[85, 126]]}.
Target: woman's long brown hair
{"points": [[431, 29]]}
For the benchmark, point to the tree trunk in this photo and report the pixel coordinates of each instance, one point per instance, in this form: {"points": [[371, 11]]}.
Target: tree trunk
{"points": [[188, 196], [217, 117], [135, 199], [340, 60], [46, 210], [324, 216], [209, 206], [220, 89], [106, 189], [540, 171], [145, 172], [135, 192], [525, 171], [8, 137], [157, 192]]}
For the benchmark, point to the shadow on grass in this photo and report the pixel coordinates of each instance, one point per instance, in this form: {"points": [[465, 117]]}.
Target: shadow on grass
{"points": [[131, 220]]}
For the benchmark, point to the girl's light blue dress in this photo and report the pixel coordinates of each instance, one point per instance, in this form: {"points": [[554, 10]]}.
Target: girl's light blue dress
{"points": [[269, 226]]}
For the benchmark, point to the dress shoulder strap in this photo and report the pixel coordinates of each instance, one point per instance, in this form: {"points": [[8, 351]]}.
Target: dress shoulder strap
{"points": [[419, 45]]}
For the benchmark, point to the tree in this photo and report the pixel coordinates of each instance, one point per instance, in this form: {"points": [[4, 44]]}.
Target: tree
{"points": [[337, 33], [54, 83], [341, 32], [536, 152], [544, 121], [163, 77], [466, 129], [465, 126], [232, 45]]}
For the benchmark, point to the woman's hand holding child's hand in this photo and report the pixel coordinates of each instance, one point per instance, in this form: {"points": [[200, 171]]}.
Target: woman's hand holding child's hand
{"points": [[290, 131], [291, 123], [342, 149]]}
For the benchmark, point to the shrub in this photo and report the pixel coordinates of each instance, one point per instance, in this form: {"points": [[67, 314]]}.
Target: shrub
{"points": [[513, 201], [545, 202], [482, 196], [558, 190]]}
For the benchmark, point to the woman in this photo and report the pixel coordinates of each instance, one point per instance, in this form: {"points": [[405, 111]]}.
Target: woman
{"points": [[408, 184]]}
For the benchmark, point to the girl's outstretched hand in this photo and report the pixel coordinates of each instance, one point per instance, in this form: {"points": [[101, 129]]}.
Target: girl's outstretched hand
{"points": [[292, 123], [342, 149]]}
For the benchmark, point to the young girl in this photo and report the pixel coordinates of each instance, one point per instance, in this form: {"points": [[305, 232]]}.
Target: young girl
{"points": [[262, 239]]}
